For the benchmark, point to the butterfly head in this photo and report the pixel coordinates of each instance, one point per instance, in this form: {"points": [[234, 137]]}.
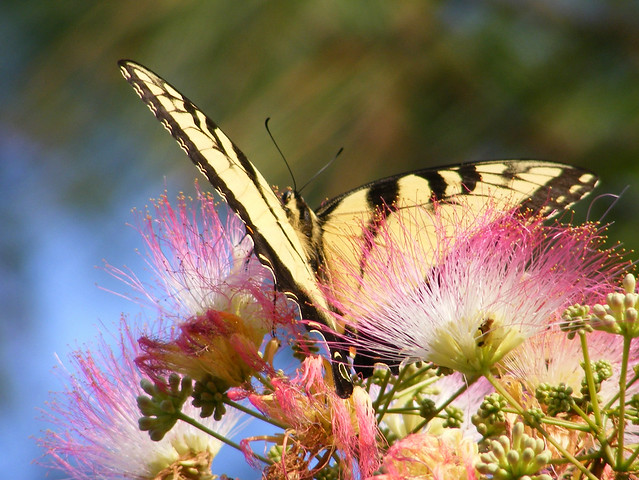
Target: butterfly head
{"points": [[298, 212]]}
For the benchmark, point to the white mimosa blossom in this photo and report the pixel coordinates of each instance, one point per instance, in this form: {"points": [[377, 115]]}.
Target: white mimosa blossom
{"points": [[465, 298], [553, 358], [442, 389], [201, 263], [96, 434]]}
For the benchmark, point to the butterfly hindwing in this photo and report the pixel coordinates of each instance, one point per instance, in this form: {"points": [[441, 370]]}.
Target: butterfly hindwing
{"points": [[461, 192]]}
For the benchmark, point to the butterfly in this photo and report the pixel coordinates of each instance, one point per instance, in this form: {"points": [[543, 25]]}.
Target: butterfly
{"points": [[300, 244]]}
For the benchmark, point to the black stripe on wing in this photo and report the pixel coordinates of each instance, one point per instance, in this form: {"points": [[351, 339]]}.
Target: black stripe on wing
{"points": [[436, 183], [552, 194], [470, 177], [562, 192], [180, 104]]}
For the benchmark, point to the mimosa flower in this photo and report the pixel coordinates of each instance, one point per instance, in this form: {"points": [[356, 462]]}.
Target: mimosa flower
{"points": [[318, 423], [619, 314], [200, 262], [424, 456], [552, 358], [96, 432], [217, 346], [402, 424], [463, 297], [213, 288], [554, 361]]}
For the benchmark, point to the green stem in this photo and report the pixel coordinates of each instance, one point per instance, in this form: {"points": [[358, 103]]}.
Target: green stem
{"points": [[581, 458], [632, 457], [417, 386], [557, 422], [592, 426], [382, 389], [597, 431], [221, 438], [403, 411], [255, 414], [504, 393], [632, 380], [388, 397], [420, 373], [461, 390], [264, 381], [592, 391], [610, 403], [622, 400]]}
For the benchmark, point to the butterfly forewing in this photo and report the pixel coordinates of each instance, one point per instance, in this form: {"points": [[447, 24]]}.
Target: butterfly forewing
{"points": [[509, 182], [236, 179]]}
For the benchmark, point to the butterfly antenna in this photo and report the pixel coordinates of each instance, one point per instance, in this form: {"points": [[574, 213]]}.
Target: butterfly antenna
{"points": [[319, 172], [615, 200], [268, 130]]}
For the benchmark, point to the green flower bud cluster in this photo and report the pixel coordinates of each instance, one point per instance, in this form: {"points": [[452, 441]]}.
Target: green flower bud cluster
{"points": [[454, 417], [520, 460], [535, 415], [490, 419], [619, 315], [275, 453], [209, 395], [601, 371], [574, 319], [161, 407], [415, 368], [329, 472], [557, 398], [632, 410], [427, 408]]}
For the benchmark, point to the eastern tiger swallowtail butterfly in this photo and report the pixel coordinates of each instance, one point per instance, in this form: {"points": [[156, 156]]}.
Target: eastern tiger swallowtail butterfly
{"points": [[297, 243]]}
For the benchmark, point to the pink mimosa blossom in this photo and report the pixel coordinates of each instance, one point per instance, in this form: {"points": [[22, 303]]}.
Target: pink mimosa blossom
{"points": [[212, 287], [202, 263], [424, 456], [463, 297], [95, 419], [552, 358], [318, 422], [216, 344]]}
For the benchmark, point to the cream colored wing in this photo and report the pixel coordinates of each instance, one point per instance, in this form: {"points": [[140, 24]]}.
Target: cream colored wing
{"points": [[246, 191], [461, 192]]}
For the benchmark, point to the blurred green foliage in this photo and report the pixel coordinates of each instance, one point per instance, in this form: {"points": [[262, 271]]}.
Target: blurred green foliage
{"points": [[400, 85]]}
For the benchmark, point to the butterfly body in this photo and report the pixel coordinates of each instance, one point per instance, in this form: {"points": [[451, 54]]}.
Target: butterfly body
{"points": [[307, 225], [301, 245]]}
